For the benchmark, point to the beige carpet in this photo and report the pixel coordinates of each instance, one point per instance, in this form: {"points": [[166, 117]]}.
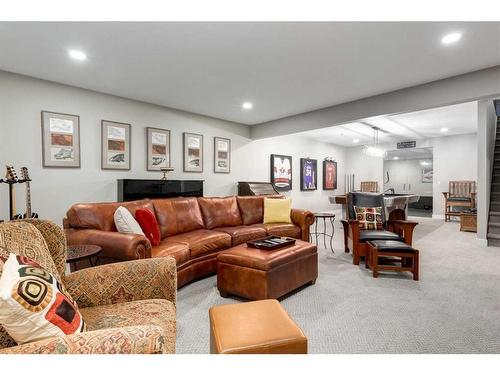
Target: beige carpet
{"points": [[455, 308]]}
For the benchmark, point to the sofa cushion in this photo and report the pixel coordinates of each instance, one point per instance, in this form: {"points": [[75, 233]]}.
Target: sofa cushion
{"points": [[149, 225], [125, 222], [281, 229], [243, 233], [177, 215], [369, 235], [203, 241], [220, 212], [251, 209], [277, 210], [100, 215], [178, 250]]}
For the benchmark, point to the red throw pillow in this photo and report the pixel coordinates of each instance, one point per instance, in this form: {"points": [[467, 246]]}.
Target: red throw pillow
{"points": [[149, 225]]}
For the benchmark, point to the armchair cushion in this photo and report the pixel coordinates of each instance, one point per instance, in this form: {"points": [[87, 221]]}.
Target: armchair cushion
{"points": [[124, 282], [373, 235], [459, 199]]}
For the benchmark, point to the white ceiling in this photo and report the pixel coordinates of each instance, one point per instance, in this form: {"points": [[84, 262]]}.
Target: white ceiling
{"points": [[212, 68], [459, 119]]}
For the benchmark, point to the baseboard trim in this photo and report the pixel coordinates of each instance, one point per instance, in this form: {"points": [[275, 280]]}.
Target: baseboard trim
{"points": [[482, 242], [441, 217]]}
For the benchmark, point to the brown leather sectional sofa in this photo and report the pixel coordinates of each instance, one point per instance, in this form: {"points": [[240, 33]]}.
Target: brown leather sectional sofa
{"points": [[193, 230]]}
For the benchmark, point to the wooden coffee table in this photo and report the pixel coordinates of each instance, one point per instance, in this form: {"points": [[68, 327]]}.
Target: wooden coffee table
{"points": [[76, 253]]}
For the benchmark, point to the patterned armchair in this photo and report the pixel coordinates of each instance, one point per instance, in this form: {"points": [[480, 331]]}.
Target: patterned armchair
{"points": [[128, 307]]}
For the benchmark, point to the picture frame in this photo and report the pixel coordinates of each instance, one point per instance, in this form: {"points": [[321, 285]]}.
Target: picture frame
{"points": [[60, 140], [427, 175], [329, 175], [222, 155], [308, 174], [115, 145], [281, 172], [192, 152], [158, 148]]}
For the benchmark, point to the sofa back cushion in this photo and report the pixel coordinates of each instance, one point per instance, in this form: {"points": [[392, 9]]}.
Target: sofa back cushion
{"points": [[101, 215], [220, 212], [252, 208], [177, 215]]}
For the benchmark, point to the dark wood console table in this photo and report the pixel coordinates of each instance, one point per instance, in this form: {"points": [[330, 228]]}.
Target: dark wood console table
{"points": [[134, 189]]}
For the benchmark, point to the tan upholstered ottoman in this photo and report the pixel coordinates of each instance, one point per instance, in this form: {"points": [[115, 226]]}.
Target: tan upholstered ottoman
{"points": [[261, 274], [259, 327]]}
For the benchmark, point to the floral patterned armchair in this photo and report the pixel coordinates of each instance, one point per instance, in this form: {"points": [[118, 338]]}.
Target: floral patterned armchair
{"points": [[128, 307]]}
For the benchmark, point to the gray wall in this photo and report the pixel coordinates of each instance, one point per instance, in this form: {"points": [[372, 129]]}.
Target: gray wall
{"points": [[55, 190], [486, 148]]}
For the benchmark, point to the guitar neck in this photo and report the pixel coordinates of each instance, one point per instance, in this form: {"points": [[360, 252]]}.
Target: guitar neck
{"points": [[12, 202], [28, 200]]}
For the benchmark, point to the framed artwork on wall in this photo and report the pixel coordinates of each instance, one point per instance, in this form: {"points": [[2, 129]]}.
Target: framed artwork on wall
{"points": [[329, 175], [427, 175], [115, 145], [158, 148], [308, 174], [60, 140], [281, 172], [222, 155], [193, 152]]}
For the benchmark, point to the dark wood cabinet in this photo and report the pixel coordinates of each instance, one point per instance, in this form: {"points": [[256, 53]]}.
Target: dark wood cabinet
{"points": [[132, 189]]}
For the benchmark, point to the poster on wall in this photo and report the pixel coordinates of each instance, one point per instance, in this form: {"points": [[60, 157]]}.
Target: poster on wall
{"points": [[115, 145], [193, 152], [222, 155], [427, 175], [281, 172], [308, 174], [60, 140], [158, 148], [329, 175]]}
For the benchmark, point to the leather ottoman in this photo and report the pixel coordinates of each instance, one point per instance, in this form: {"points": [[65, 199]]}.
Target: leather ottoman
{"points": [[261, 274], [259, 327]]}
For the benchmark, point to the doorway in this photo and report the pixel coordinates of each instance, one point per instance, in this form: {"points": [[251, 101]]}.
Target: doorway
{"points": [[410, 171]]}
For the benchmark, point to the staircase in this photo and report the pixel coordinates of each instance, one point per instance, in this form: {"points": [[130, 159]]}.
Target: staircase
{"points": [[494, 217]]}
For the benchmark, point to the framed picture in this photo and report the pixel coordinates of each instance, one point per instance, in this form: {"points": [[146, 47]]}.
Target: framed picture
{"points": [[60, 140], [329, 175], [222, 155], [115, 145], [193, 152], [308, 174], [427, 175], [158, 148], [281, 172]]}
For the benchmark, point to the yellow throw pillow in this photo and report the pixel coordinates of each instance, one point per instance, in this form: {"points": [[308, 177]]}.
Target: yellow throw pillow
{"points": [[277, 210]]}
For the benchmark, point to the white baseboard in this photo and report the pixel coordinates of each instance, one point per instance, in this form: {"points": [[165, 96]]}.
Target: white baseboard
{"points": [[441, 217], [482, 242]]}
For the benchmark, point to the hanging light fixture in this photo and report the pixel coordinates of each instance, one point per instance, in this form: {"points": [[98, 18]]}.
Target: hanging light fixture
{"points": [[374, 149]]}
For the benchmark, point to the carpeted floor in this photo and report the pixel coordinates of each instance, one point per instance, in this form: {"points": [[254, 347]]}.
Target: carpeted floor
{"points": [[455, 308]]}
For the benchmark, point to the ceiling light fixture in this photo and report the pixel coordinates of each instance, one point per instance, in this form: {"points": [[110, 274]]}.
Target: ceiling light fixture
{"points": [[374, 149], [355, 140], [77, 55], [395, 158], [247, 105], [451, 38], [443, 130]]}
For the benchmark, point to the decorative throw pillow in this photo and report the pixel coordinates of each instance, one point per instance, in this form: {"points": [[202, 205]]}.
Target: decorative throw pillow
{"points": [[149, 225], [277, 210], [369, 217], [125, 222], [33, 304]]}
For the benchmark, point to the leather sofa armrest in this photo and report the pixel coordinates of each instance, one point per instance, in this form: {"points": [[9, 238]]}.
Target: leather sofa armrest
{"points": [[123, 340], [403, 228], [303, 219], [115, 245]]}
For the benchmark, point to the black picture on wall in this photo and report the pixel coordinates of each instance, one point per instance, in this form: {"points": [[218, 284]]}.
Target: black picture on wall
{"points": [[281, 172], [308, 174]]}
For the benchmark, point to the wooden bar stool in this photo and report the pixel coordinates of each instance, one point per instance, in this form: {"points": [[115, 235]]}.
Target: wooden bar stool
{"points": [[395, 251]]}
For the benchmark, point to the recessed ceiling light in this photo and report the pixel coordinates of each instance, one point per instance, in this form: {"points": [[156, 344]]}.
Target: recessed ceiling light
{"points": [[395, 158], [247, 105], [355, 140], [443, 130], [451, 38], [77, 55]]}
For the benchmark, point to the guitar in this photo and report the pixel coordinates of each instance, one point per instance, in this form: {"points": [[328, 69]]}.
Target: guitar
{"points": [[11, 179], [26, 179]]}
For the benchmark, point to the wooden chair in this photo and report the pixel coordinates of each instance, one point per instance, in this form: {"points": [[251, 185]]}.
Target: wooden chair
{"points": [[459, 194], [356, 239], [369, 186]]}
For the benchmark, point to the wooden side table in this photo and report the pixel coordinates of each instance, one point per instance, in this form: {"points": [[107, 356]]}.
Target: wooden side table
{"points": [[76, 253], [468, 222]]}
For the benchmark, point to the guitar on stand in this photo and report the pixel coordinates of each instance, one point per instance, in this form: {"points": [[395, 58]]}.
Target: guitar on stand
{"points": [[11, 179], [28, 214]]}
